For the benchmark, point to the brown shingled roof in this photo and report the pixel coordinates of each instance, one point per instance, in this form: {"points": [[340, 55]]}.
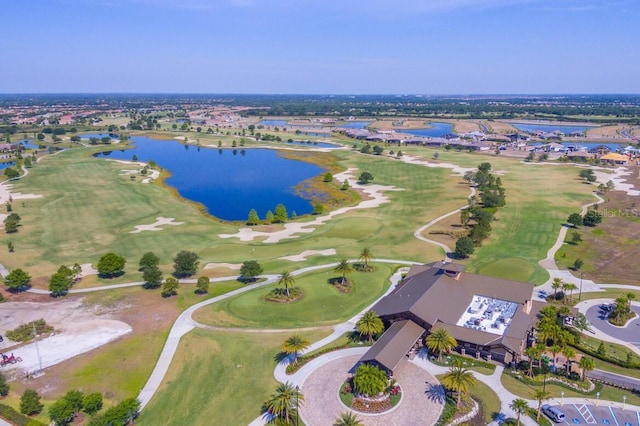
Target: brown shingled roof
{"points": [[394, 344]]}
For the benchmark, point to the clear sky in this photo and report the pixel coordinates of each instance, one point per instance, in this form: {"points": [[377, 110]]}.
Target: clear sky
{"points": [[321, 46]]}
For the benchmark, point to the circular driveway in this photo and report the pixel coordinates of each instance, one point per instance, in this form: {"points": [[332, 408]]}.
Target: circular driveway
{"points": [[421, 404], [629, 333]]}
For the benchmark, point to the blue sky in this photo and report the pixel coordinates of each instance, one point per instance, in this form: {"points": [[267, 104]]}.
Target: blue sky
{"points": [[321, 46]]}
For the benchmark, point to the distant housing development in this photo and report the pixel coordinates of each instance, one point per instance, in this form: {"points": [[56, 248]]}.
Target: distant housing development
{"points": [[489, 317]]}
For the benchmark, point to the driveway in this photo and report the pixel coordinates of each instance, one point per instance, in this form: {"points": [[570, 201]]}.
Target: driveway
{"points": [[629, 333]]}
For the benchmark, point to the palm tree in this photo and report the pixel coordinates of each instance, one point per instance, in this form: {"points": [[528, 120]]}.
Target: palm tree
{"points": [[366, 256], [343, 268], [369, 324], [348, 418], [283, 404], [533, 353], [520, 406], [439, 341], [540, 395], [555, 349], [571, 287], [586, 364], [557, 283], [568, 353], [287, 280], [630, 297], [459, 380], [294, 345]]}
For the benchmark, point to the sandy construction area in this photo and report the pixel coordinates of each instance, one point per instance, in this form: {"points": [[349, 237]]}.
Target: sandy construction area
{"points": [[156, 226], [619, 178], [301, 257], [77, 330], [608, 131]]}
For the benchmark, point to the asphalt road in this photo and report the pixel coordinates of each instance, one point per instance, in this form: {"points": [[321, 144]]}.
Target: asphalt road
{"points": [[630, 333]]}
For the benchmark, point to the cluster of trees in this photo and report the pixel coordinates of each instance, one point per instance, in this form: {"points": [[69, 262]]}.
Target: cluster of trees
{"points": [[185, 264], [588, 175], [376, 150], [492, 196], [621, 310], [11, 173], [280, 216], [591, 218], [17, 280], [65, 409], [63, 279]]}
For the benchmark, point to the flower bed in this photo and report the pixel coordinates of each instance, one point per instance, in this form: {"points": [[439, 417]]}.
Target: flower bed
{"points": [[370, 405]]}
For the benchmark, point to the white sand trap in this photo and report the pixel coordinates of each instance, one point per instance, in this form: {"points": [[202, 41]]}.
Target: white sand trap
{"points": [[153, 174], [375, 192], [156, 225], [78, 330], [86, 269], [618, 177], [301, 257], [233, 266], [454, 169], [6, 194]]}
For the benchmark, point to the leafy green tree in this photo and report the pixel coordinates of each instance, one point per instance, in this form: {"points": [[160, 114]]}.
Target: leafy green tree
{"points": [[11, 247], [59, 283], [185, 264], [458, 379], [294, 345], [328, 177], [11, 223], [317, 209], [348, 418], [30, 402], [270, 218], [4, 386], [281, 215], [591, 218], [345, 185], [202, 285], [11, 173], [366, 255], [17, 280], [440, 341], [111, 265], [369, 324], [287, 280], [365, 178], [170, 287], [92, 403], [464, 248], [369, 380], [580, 322], [148, 260], [378, 150], [253, 218], [283, 404], [152, 277], [249, 270], [602, 351], [76, 399], [575, 219], [62, 412], [343, 268], [519, 406], [575, 238]]}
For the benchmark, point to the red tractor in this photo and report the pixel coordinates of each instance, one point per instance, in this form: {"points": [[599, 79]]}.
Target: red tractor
{"points": [[6, 359]]}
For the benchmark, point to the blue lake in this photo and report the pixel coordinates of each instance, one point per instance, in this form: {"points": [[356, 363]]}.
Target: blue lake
{"points": [[525, 127], [27, 144], [437, 130], [5, 165], [95, 135], [228, 182], [355, 125], [315, 144], [279, 123]]}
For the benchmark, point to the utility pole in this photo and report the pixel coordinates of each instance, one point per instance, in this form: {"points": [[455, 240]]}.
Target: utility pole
{"points": [[40, 372]]}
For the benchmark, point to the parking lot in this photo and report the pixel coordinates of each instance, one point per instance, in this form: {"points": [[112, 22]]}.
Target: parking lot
{"points": [[576, 414]]}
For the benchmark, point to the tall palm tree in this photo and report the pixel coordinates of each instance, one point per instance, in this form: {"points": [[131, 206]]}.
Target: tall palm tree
{"points": [[520, 406], [343, 268], [459, 380], [366, 256], [348, 418], [284, 403], [540, 395], [557, 283], [568, 353], [287, 280], [630, 298], [571, 287], [439, 341], [294, 345], [555, 349], [369, 324], [533, 353], [586, 364]]}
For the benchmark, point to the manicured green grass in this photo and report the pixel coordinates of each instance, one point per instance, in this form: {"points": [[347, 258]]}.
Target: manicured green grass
{"points": [[488, 398], [322, 303], [218, 378]]}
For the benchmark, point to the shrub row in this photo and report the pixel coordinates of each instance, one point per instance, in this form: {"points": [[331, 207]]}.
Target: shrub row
{"points": [[605, 358], [470, 361], [24, 332], [533, 413], [11, 415], [579, 386], [448, 412], [304, 359]]}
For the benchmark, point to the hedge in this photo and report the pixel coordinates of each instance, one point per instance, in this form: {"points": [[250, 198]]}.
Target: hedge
{"points": [[12, 416], [304, 359], [595, 354]]}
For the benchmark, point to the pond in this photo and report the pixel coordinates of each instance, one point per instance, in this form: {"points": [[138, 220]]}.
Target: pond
{"points": [[5, 165], [548, 128], [355, 125], [228, 182], [437, 130], [26, 143], [315, 144], [278, 123]]}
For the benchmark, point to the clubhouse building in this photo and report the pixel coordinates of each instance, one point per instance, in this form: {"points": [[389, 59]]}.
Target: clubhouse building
{"points": [[491, 318]]}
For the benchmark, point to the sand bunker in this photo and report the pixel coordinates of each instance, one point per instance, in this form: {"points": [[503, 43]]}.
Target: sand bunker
{"points": [[156, 225], [6, 194], [375, 192], [454, 169], [301, 257], [78, 330], [86, 269], [233, 266], [619, 179]]}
